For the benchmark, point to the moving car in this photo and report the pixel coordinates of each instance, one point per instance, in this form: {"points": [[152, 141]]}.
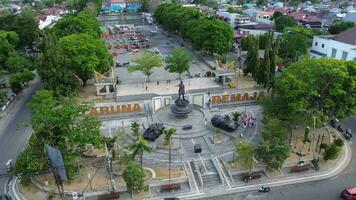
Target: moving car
{"points": [[349, 193], [224, 123]]}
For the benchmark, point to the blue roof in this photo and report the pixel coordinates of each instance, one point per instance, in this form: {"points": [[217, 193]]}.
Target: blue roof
{"points": [[112, 8]]}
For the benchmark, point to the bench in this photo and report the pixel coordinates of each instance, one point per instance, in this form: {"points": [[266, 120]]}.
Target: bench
{"points": [[301, 168], [187, 127], [170, 188], [112, 195]]}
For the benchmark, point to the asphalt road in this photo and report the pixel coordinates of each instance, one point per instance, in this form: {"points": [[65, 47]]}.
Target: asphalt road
{"points": [[319, 190], [15, 130]]}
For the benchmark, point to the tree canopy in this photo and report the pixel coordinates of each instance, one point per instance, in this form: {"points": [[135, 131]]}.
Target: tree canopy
{"points": [[72, 60], [85, 54], [340, 26], [208, 34], [178, 61], [246, 152], [295, 43], [134, 178], [24, 24], [76, 23], [62, 124], [8, 42], [146, 63], [324, 88], [283, 21]]}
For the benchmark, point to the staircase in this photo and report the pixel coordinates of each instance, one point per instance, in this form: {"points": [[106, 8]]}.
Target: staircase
{"points": [[209, 174]]}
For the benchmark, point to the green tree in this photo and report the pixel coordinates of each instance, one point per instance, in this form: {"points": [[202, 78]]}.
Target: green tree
{"points": [[234, 10], [146, 63], [252, 58], [85, 54], [135, 128], [316, 87], [273, 153], [17, 63], [331, 152], [62, 124], [20, 80], [178, 61], [8, 42], [295, 43], [263, 72], [262, 3], [24, 24], [168, 133], [246, 152], [340, 26], [82, 22], [283, 21], [274, 129], [139, 148], [134, 178]]}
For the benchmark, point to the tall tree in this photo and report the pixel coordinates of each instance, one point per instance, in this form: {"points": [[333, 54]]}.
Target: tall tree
{"points": [[82, 22], [168, 141], [146, 63], [295, 43], [62, 124], [178, 61], [246, 152], [340, 26], [17, 62], [318, 87], [139, 148], [274, 129], [8, 42], [273, 153], [85, 54], [283, 21], [134, 178], [252, 58], [135, 128]]}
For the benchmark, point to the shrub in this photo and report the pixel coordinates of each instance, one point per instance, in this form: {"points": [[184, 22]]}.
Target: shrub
{"points": [[331, 152], [339, 142], [323, 146], [315, 163], [232, 85]]}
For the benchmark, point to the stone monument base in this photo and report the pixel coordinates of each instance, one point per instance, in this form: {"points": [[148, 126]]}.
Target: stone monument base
{"points": [[181, 108]]}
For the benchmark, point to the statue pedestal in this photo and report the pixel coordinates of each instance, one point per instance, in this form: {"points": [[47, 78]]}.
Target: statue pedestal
{"points": [[181, 108]]}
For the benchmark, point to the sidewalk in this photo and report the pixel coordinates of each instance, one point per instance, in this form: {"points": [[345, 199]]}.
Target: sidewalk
{"points": [[164, 88]]}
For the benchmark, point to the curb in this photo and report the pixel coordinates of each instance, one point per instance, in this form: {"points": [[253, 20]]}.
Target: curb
{"points": [[344, 162]]}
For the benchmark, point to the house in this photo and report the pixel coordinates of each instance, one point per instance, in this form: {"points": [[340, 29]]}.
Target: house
{"points": [[233, 18], [260, 16], [253, 29], [306, 19], [341, 46]]}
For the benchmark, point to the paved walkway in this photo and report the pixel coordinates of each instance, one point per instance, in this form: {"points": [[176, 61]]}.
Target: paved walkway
{"points": [[164, 88]]}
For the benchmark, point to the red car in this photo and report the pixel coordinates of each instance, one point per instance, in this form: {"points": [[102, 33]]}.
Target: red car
{"points": [[349, 193]]}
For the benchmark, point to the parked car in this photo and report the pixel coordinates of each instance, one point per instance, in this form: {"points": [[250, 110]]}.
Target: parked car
{"points": [[349, 193], [4, 197], [224, 123], [348, 134]]}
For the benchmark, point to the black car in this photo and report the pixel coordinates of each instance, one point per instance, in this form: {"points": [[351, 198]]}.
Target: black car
{"points": [[224, 123], [153, 132]]}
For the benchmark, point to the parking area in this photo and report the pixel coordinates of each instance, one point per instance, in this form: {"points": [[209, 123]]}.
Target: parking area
{"points": [[126, 42]]}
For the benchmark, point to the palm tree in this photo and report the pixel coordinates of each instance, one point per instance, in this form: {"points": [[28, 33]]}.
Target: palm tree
{"points": [[139, 148], [135, 128], [168, 141]]}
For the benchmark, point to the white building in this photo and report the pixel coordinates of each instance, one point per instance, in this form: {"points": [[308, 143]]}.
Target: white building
{"points": [[341, 46]]}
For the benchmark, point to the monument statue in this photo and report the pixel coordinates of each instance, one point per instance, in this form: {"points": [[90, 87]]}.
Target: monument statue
{"points": [[181, 91], [181, 106]]}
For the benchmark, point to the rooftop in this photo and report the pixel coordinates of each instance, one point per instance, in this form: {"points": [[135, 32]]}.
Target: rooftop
{"points": [[348, 36]]}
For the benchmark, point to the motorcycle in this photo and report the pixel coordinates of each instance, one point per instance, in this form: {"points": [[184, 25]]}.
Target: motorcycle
{"points": [[264, 189]]}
